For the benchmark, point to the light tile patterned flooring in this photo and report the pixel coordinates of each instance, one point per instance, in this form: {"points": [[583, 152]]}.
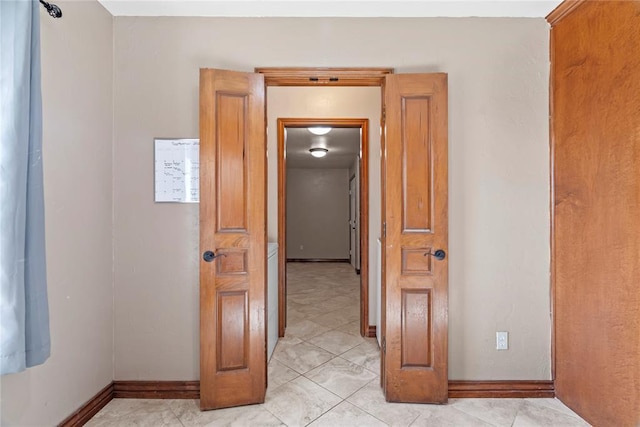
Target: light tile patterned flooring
{"points": [[324, 374]]}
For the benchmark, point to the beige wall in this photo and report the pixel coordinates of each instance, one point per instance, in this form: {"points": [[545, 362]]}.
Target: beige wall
{"points": [[78, 118], [318, 213], [498, 185]]}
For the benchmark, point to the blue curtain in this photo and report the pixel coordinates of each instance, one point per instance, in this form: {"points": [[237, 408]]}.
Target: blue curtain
{"points": [[24, 312]]}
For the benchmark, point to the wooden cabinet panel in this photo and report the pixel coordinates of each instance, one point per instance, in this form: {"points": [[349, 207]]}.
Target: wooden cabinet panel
{"points": [[595, 144]]}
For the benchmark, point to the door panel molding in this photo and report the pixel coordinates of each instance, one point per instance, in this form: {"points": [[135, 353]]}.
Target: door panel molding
{"points": [[417, 345], [233, 330], [230, 127], [417, 165]]}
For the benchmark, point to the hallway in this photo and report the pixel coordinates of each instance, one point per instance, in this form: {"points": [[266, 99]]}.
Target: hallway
{"points": [[324, 374]]}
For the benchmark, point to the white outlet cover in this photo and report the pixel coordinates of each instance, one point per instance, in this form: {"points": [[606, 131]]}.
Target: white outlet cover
{"points": [[502, 340]]}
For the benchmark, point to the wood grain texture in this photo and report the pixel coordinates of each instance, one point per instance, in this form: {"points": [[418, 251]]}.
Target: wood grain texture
{"points": [[232, 262], [563, 9], [416, 164], [233, 330], [363, 220], [596, 210], [89, 409], [371, 331], [415, 307], [156, 389], [363, 124], [457, 389], [383, 232], [417, 345], [501, 389], [414, 261], [276, 76], [232, 179], [282, 230]]}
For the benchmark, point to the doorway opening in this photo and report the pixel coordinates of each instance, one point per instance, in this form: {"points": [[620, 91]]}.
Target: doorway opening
{"points": [[348, 147]]}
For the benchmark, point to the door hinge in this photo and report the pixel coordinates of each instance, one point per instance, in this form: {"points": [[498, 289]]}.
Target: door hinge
{"points": [[384, 115], [384, 345], [384, 229]]}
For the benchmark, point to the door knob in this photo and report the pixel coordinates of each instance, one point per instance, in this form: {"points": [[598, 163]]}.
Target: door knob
{"points": [[439, 254], [209, 256]]}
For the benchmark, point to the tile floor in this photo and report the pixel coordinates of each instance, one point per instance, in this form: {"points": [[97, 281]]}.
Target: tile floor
{"points": [[324, 374]]}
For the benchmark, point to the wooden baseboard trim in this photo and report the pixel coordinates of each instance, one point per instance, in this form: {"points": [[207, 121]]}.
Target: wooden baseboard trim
{"points": [[191, 390], [89, 409], [345, 260], [501, 389], [371, 331], [156, 389], [563, 9]]}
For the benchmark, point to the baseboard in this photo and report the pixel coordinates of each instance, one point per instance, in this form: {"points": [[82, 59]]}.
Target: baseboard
{"points": [[501, 389], [156, 389], [457, 389], [191, 390], [345, 260], [89, 409], [371, 331]]}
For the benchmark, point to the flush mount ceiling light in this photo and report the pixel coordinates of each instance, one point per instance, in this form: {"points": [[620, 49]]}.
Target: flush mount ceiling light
{"points": [[319, 130], [318, 152]]}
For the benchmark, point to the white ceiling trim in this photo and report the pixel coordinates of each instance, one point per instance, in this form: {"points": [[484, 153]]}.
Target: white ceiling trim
{"points": [[343, 8]]}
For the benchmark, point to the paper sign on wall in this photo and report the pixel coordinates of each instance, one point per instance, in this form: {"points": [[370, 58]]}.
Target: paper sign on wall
{"points": [[177, 170]]}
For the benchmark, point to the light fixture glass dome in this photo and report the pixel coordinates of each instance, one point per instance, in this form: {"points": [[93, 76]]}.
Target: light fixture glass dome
{"points": [[318, 152], [319, 130]]}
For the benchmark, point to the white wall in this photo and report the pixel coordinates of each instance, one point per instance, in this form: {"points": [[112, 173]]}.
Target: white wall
{"points": [[317, 213], [77, 85], [498, 165]]}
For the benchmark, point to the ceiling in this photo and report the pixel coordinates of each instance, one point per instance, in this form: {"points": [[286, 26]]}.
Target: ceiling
{"points": [[331, 8], [343, 145]]}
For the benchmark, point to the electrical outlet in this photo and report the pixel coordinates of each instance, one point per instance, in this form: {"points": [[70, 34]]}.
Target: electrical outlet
{"points": [[502, 340], [301, 247]]}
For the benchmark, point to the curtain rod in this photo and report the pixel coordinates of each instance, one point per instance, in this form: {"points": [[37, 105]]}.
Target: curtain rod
{"points": [[53, 10]]}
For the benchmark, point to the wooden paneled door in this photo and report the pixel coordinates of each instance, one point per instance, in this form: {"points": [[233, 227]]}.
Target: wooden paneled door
{"points": [[232, 239], [415, 239]]}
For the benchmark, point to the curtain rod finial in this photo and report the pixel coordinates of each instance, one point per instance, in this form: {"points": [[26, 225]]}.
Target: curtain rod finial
{"points": [[53, 10]]}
